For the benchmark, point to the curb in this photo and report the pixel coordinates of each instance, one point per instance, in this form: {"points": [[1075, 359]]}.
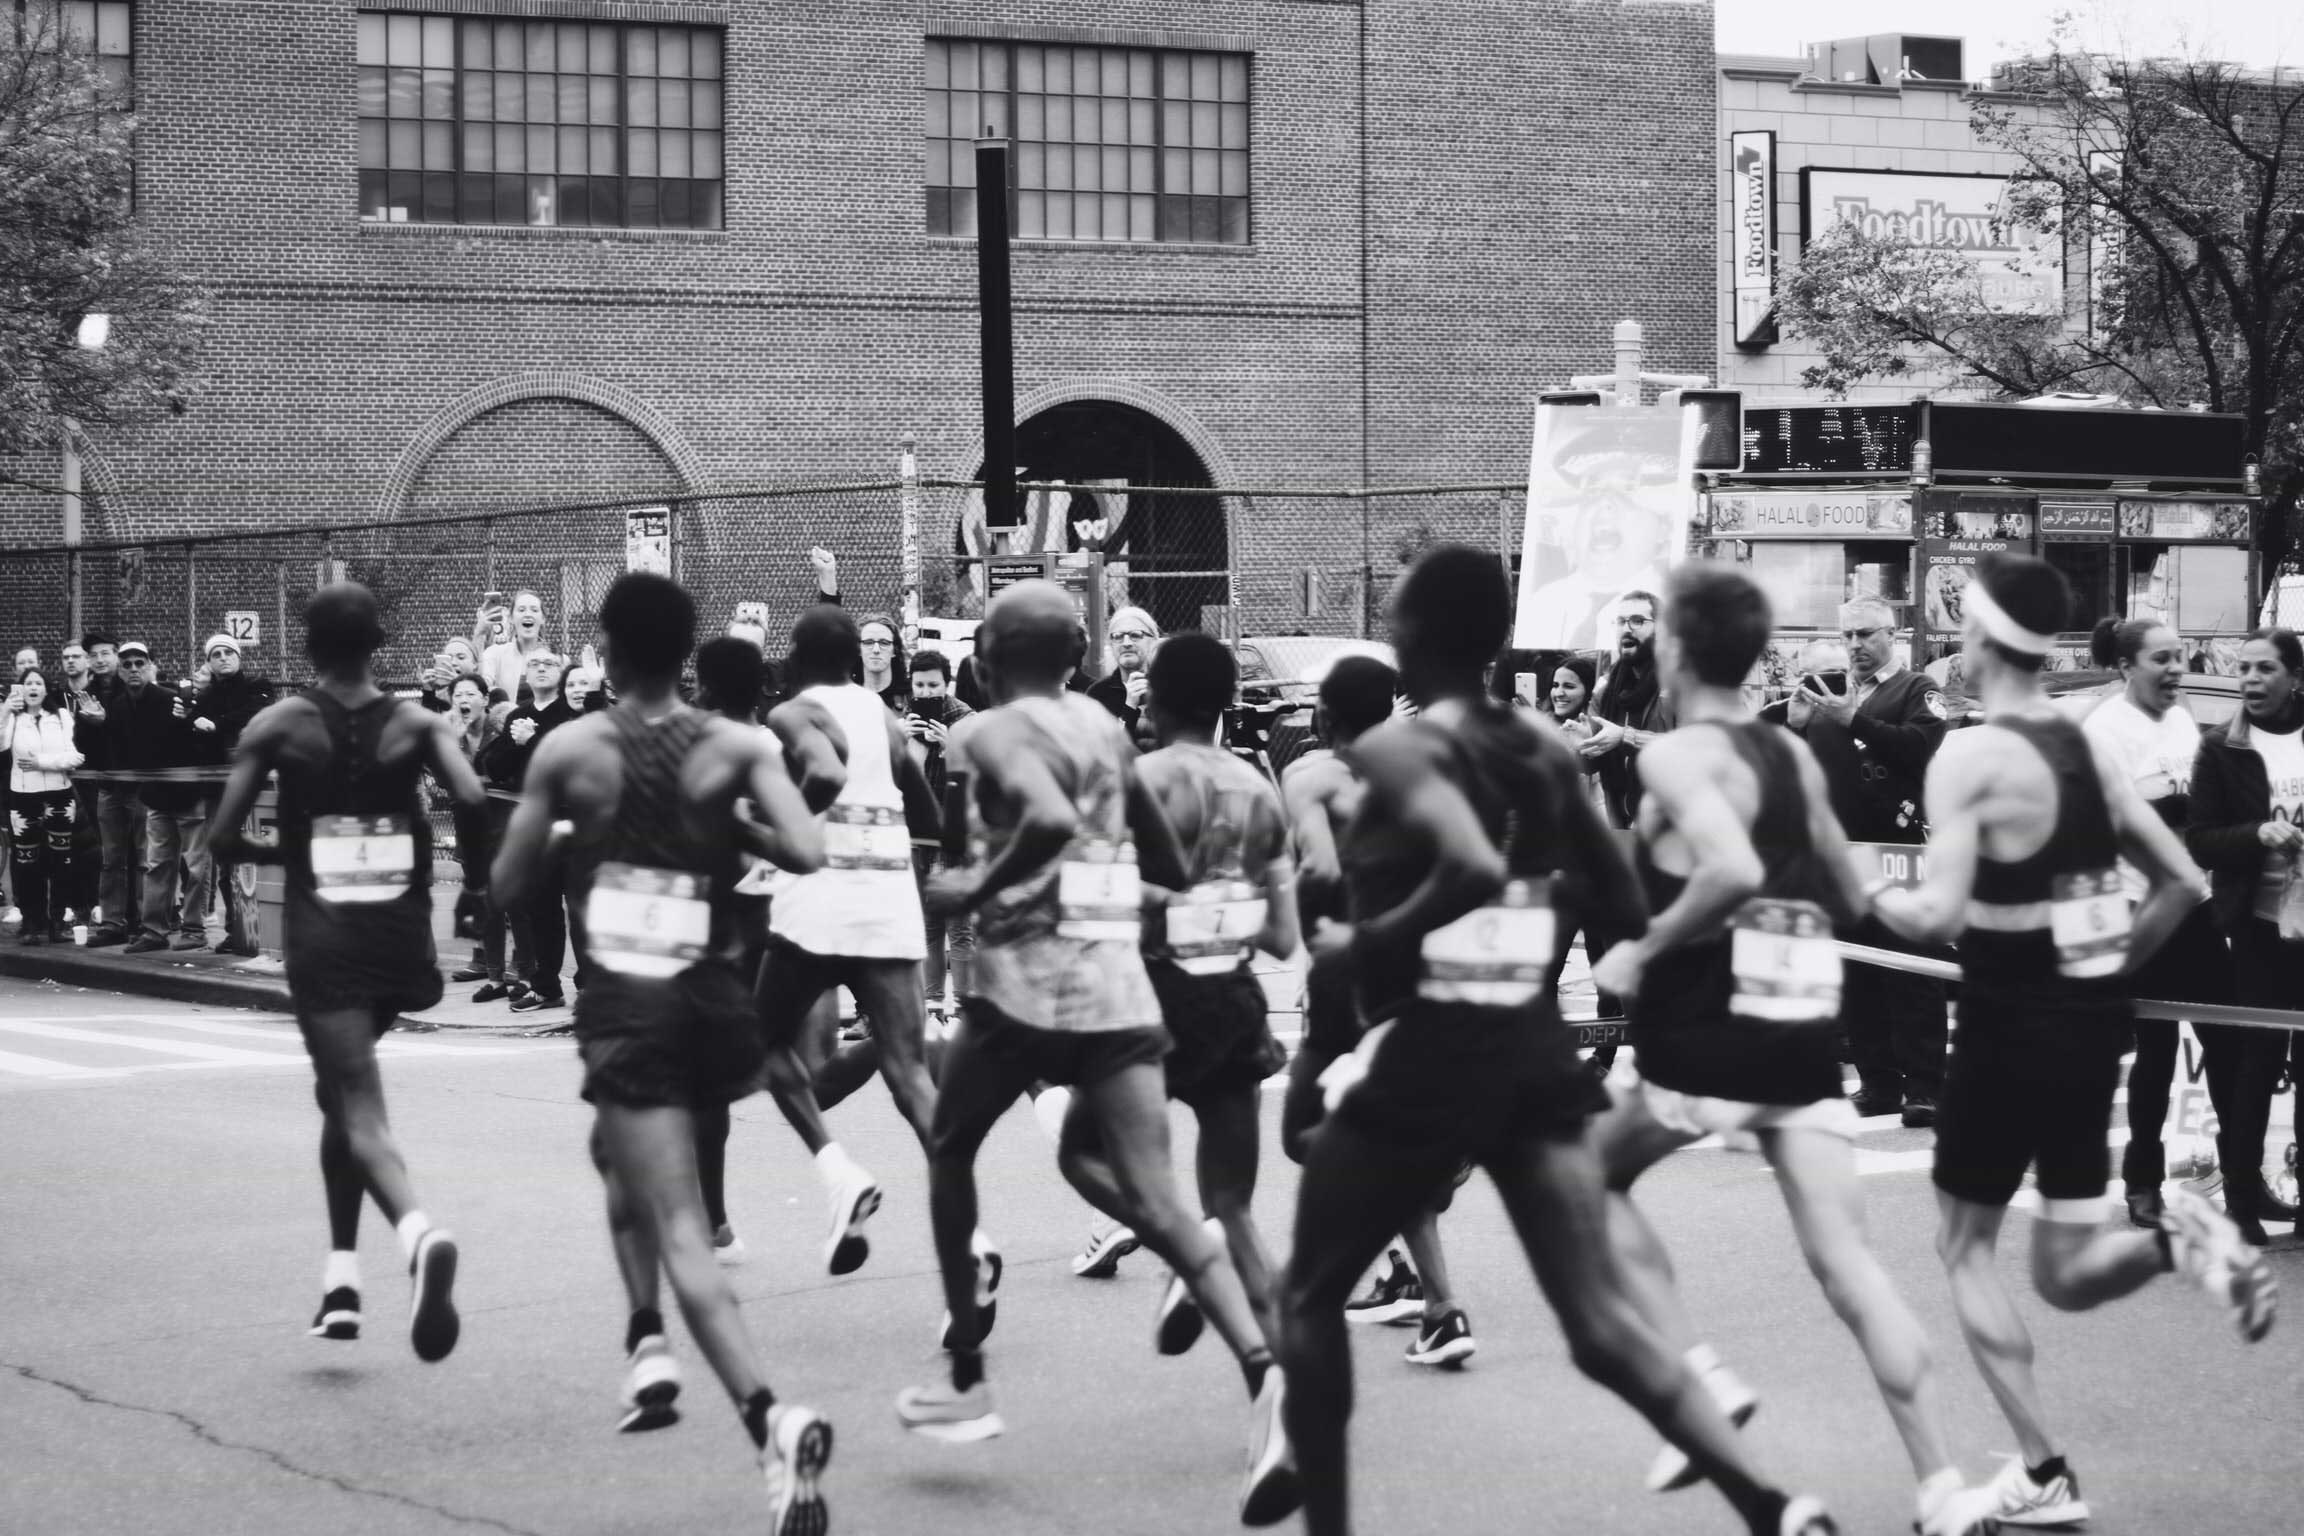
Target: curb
{"points": [[182, 982]]}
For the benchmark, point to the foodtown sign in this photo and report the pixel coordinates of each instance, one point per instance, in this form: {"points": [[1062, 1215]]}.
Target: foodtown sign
{"points": [[2019, 268], [1752, 196]]}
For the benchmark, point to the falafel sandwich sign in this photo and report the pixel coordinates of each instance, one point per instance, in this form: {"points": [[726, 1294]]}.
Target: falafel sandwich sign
{"points": [[1610, 500]]}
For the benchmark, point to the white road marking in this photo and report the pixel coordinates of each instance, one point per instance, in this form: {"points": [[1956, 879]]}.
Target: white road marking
{"points": [[194, 1055], [191, 1049], [42, 1067]]}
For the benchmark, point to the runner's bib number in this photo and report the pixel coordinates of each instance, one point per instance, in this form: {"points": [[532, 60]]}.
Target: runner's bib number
{"points": [[1211, 926], [2089, 918], [362, 858], [647, 922], [868, 838], [1098, 894], [1494, 956], [1785, 968]]}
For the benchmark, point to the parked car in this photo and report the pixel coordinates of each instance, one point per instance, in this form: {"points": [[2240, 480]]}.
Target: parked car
{"points": [[1280, 677]]}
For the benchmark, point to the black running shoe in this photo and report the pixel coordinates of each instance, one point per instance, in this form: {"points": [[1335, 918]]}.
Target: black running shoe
{"points": [[1395, 1296], [339, 1315], [433, 1325], [1447, 1342]]}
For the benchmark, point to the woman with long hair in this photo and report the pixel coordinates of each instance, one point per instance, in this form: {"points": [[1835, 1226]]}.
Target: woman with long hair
{"points": [[887, 670], [1568, 698], [36, 732]]}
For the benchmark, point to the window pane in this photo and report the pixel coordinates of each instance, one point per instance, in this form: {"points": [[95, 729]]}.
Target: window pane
{"points": [[1204, 81], [1029, 74], [704, 58], [640, 101], [1115, 178], [542, 204], [964, 66], [672, 102], [575, 201], [1031, 165], [1087, 122], [1140, 225], [369, 189], [479, 148], [405, 95], [1032, 119], [1059, 119], [1059, 217], [995, 114], [672, 53], [1142, 169], [1086, 71], [1175, 170], [641, 205], [964, 213], [476, 35], [511, 198], [575, 146], [1207, 130], [1175, 218], [406, 146], [1207, 220], [607, 201], [372, 142], [640, 144], [704, 103], [939, 60], [479, 95], [707, 155], [1235, 78], [372, 102], [640, 52], [511, 98], [507, 53], [1234, 130], [672, 152], [1176, 124], [965, 122], [406, 194], [1114, 65], [1059, 71], [439, 146], [439, 197], [439, 43], [440, 93], [573, 47], [600, 106], [511, 149], [539, 149], [939, 114], [1140, 72], [370, 49], [938, 172], [992, 67], [1060, 169], [538, 52], [1234, 227], [540, 97], [1031, 215], [1087, 169], [676, 204], [404, 40], [1115, 114], [963, 163], [476, 200], [939, 211], [1142, 122], [705, 198], [600, 45], [1115, 217], [1235, 174], [603, 152], [1206, 178], [575, 98]]}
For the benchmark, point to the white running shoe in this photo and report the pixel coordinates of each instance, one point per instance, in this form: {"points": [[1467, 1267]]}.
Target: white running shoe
{"points": [[1962, 1512], [942, 1413], [799, 1445], [1671, 1470], [2026, 1502], [852, 1205], [433, 1326], [651, 1385], [1806, 1516], [727, 1247], [1107, 1246], [2210, 1253], [1273, 1491]]}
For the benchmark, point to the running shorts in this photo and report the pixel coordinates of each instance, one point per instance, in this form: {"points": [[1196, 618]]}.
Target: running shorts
{"points": [[687, 1043], [1072, 1058], [1695, 1115], [1469, 1080], [2030, 1085], [1223, 1037]]}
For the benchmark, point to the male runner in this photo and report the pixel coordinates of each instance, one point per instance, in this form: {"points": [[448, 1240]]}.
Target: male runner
{"points": [[1323, 794], [357, 927], [1059, 994], [2029, 822], [857, 921], [1197, 950], [651, 787], [1734, 995], [1474, 849]]}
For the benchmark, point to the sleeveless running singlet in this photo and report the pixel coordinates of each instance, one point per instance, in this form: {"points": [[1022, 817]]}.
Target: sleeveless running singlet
{"points": [[2057, 920], [864, 901], [1748, 1015], [1207, 929], [655, 895], [357, 851]]}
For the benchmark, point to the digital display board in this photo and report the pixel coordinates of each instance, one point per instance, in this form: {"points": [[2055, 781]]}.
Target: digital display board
{"points": [[1830, 440], [2020, 442]]}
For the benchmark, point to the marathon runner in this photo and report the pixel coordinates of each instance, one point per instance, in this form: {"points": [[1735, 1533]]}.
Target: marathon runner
{"points": [[1059, 994], [1240, 899], [1474, 848], [1734, 995], [1323, 794], [357, 927], [2029, 823], [664, 1027]]}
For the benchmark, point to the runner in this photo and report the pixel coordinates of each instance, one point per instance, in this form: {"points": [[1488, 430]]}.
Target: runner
{"points": [[1734, 994], [2028, 823], [1240, 899], [1474, 847], [856, 922], [1059, 993], [651, 787], [357, 928], [1323, 794]]}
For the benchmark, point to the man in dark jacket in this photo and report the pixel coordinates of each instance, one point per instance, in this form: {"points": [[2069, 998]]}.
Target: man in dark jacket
{"points": [[1628, 709], [147, 730], [80, 886], [539, 925], [230, 699], [119, 808], [1882, 729]]}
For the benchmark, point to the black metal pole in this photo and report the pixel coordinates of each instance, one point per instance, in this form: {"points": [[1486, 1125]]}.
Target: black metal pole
{"points": [[998, 332]]}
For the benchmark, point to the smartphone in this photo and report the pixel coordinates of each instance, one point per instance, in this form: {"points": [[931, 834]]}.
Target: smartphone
{"points": [[444, 663], [499, 611], [1834, 683], [1524, 689], [955, 838]]}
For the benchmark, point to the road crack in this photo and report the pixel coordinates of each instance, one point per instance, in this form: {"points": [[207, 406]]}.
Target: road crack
{"points": [[207, 1436]]}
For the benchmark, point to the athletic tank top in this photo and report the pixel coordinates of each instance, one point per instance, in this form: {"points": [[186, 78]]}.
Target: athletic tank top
{"points": [[1060, 949], [864, 901], [1747, 1014], [2060, 914], [1207, 929], [353, 831], [655, 894], [1500, 954]]}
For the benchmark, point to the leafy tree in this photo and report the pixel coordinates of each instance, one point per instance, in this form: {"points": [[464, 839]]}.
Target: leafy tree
{"points": [[70, 247], [2185, 177]]}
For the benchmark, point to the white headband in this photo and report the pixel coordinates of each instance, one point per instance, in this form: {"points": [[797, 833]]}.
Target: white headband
{"points": [[1997, 624]]}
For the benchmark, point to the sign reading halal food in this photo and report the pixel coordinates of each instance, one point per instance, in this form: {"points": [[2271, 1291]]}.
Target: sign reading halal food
{"points": [[1812, 515], [2019, 268]]}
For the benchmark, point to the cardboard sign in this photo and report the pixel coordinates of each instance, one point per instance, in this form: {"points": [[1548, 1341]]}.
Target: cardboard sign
{"points": [[244, 628]]}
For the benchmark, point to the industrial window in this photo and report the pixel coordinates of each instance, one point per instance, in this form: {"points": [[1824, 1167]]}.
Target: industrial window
{"points": [[1133, 144], [100, 27], [487, 121]]}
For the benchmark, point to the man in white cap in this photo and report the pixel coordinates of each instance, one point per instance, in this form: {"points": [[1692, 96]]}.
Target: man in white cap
{"points": [[229, 700]]}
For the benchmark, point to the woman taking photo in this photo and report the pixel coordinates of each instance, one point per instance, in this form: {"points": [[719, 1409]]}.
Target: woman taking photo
{"points": [[475, 727], [2247, 830], [1569, 702], [2154, 738], [36, 733]]}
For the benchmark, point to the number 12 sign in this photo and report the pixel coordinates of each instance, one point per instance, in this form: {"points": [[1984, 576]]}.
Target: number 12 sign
{"points": [[244, 627]]}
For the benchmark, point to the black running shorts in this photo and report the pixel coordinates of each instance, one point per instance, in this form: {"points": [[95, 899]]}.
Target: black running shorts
{"points": [[1470, 1080], [1071, 1057], [2030, 1085], [1223, 1037], [1331, 1014], [687, 1043]]}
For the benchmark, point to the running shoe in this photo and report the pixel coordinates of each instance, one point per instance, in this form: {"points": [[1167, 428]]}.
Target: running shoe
{"points": [[1107, 1246], [1447, 1342], [954, 1417], [1805, 1516], [1273, 1491], [799, 1445], [1395, 1296], [727, 1247], [988, 1267], [1177, 1325], [339, 1315], [853, 1204], [469, 973], [1671, 1470], [2145, 1207], [2024, 1501], [2209, 1252], [651, 1387], [432, 1321], [1962, 1512]]}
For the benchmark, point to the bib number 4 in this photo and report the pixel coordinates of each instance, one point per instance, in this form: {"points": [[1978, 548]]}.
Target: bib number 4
{"points": [[357, 859]]}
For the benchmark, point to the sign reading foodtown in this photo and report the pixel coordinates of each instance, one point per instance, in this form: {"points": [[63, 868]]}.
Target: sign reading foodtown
{"points": [[2019, 269], [1752, 189]]}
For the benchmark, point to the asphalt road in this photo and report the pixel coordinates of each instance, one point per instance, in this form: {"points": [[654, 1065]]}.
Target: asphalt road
{"points": [[161, 1236]]}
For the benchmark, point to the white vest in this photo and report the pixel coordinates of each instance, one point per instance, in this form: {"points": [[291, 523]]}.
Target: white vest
{"points": [[864, 903]]}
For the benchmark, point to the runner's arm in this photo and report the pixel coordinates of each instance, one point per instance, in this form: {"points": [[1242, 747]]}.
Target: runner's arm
{"points": [[251, 765], [787, 833], [520, 856], [1159, 856], [1935, 911], [1466, 868], [1282, 934], [815, 760], [1306, 789], [1045, 817], [1680, 773], [2175, 882]]}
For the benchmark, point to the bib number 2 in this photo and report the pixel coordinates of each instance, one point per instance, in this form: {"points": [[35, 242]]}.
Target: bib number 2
{"points": [[359, 859], [652, 923]]}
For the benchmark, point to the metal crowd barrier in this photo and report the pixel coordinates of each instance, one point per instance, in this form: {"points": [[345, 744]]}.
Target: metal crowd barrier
{"points": [[2146, 1007]]}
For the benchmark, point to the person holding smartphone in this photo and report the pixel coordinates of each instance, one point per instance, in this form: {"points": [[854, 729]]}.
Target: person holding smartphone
{"points": [[929, 722]]}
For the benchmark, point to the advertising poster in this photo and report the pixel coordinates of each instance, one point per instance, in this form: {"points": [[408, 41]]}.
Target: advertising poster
{"points": [[648, 540], [1609, 504], [1960, 531], [1752, 226], [2019, 268]]}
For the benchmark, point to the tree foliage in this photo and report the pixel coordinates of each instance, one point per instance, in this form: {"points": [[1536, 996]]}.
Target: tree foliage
{"points": [[70, 247], [2178, 186]]}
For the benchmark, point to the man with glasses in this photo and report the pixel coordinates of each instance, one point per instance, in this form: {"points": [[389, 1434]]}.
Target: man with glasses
{"points": [[1895, 718], [1629, 709], [1122, 691], [140, 736]]}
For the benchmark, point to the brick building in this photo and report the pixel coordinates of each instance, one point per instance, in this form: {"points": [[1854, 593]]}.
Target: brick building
{"points": [[1311, 242]]}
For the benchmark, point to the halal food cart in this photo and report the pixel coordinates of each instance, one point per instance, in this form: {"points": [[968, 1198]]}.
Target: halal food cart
{"points": [[2148, 514]]}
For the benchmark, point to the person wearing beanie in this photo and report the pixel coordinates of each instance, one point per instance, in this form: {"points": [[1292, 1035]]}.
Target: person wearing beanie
{"points": [[230, 698]]}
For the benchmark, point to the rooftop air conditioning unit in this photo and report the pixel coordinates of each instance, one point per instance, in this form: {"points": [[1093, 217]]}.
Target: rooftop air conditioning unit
{"points": [[1889, 58]]}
